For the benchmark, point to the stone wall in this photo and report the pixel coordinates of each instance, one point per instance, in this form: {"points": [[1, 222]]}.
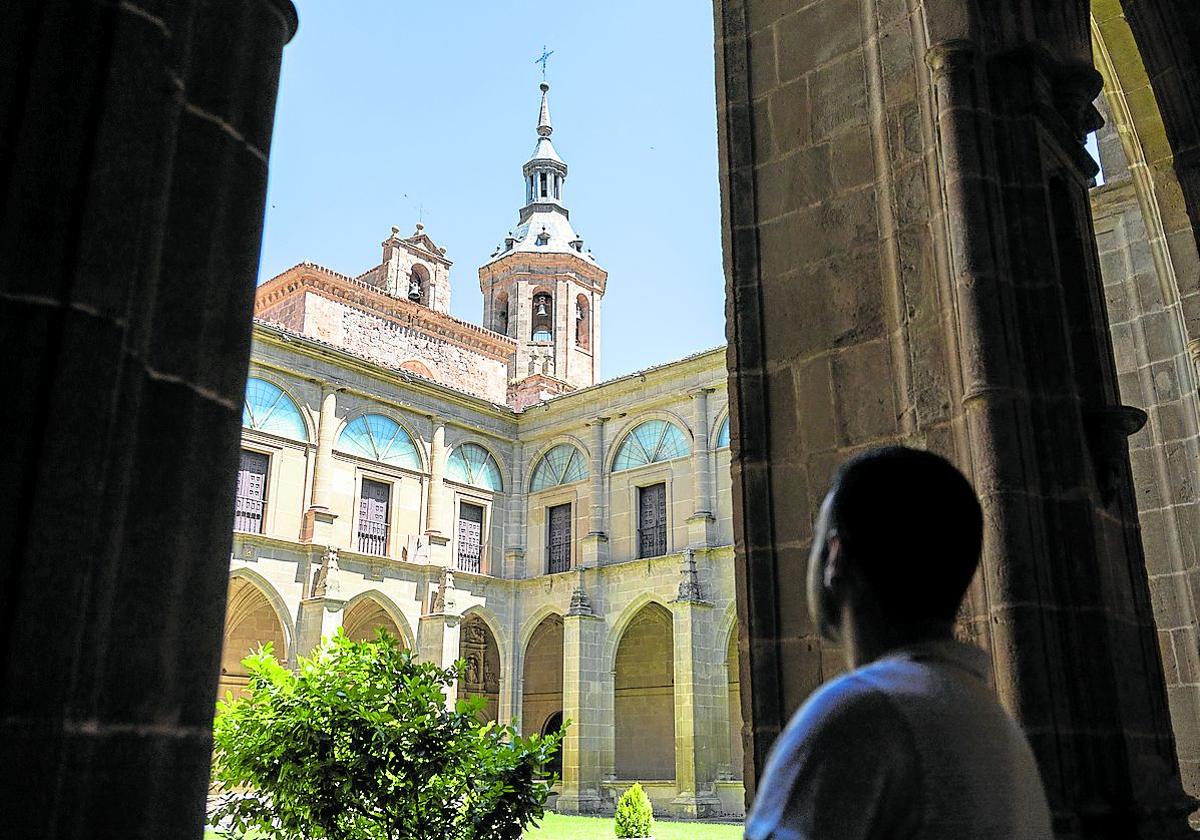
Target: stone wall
{"points": [[1156, 373]]}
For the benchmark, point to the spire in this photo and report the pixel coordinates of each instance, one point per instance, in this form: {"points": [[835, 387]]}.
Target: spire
{"points": [[544, 128]]}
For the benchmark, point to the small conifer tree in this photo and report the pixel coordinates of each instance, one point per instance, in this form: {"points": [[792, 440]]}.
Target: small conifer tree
{"points": [[635, 815]]}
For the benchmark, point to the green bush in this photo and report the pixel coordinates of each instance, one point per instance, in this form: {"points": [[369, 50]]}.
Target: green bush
{"points": [[635, 815], [358, 744]]}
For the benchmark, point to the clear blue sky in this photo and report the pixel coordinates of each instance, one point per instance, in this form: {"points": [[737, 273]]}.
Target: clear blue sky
{"points": [[390, 110]]}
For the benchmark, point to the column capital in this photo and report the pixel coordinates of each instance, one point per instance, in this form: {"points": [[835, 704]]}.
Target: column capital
{"points": [[701, 390]]}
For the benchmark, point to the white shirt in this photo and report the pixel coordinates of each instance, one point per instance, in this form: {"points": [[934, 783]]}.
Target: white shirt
{"points": [[913, 745]]}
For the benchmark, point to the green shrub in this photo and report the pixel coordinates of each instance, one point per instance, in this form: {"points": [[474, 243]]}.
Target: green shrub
{"points": [[635, 815], [358, 744]]}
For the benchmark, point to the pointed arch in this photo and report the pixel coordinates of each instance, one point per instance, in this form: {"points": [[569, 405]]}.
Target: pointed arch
{"points": [[644, 696], [486, 664], [254, 616], [360, 608]]}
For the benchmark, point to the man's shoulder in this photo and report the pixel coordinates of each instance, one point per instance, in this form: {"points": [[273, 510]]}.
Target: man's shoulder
{"points": [[852, 703]]}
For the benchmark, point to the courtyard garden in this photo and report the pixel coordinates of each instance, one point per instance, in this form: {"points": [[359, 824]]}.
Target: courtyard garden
{"points": [[562, 827]]}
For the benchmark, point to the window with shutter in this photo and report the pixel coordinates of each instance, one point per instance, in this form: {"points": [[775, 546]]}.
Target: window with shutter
{"points": [[373, 509], [652, 520], [559, 539], [251, 492], [470, 537]]}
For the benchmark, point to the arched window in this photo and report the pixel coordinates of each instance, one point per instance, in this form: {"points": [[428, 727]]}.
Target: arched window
{"points": [[471, 464], [723, 434], [500, 313], [543, 317], [268, 409], [583, 322], [380, 439], [652, 441], [418, 284], [563, 464]]}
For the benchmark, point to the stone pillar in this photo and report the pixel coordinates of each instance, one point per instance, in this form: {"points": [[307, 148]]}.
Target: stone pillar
{"points": [[133, 168], [437, 526], [514, 526], [698, 694], [587, 706], [438, 631], [942, 166], [701, 523], [595, 542], [319, 518]]}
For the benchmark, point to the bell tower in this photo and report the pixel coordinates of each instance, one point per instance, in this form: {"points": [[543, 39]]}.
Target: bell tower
{"points": [[541, 288]]}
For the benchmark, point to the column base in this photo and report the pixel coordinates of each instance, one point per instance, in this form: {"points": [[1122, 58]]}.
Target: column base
{"points": [[702, 529], [578, 802], [594, 550], [317, 619], [688, 804]]}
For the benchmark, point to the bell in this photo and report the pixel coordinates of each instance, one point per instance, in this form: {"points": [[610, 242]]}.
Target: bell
{"points": [[414, 293], [542, 312]]}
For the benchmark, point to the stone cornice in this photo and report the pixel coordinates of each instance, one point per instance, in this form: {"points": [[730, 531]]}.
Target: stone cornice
{"points": [[371, 300], [538, 265]]}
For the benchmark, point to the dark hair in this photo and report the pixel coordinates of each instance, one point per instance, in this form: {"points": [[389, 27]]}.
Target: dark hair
{"points": [[909, 521]]}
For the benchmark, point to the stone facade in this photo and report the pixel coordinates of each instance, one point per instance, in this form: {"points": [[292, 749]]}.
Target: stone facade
{"points": [[585, 642]]}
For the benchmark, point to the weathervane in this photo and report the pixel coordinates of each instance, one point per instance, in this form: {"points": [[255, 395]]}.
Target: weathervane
{"points": [[542, 59]]}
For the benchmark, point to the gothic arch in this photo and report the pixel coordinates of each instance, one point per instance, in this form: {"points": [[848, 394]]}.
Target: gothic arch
{"points": [[541, 690], [623, 620], [536, 618], [389, 608], [487, 666], [671, 417], [503, 638], [644, 696], [253, 617], [275, 599]]}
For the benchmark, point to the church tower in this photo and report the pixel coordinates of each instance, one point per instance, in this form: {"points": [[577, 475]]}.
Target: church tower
{"points": [[542, 288]]}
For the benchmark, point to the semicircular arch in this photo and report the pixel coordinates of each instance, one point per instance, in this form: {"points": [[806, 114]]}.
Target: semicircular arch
{"points": [[418, 443], [632, 425]]}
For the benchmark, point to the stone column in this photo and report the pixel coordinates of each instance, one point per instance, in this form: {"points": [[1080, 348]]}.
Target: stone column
{"points": [[438, 631], [587, 706], [698, 696], [319, 518], [133, 169], [437, 527], [514, 526], [595, 542], [701, 522]]}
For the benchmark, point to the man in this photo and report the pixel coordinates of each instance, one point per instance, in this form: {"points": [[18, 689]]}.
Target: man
{"points": [[912, 743]]}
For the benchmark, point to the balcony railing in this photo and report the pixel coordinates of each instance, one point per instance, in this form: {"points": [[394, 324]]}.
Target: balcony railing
{"points": [[373, 538], [469, 560], [248, 514]]}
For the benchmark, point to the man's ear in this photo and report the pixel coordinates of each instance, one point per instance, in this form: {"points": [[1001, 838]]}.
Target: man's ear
{"points": [[835, 572]]}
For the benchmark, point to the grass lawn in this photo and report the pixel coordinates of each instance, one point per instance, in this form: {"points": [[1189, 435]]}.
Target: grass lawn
{"points": [[560, 827]]}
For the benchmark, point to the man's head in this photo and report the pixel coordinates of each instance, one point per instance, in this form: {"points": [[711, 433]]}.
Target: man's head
{"points": [[900, 530]]}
